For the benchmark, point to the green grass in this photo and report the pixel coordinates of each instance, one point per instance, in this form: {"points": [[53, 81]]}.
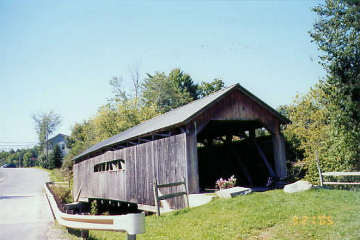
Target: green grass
{"points": [[268, 215], [55, 175]]}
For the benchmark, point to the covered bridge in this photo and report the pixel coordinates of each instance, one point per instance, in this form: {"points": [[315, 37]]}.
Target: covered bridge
{"points": [[216, 136]]}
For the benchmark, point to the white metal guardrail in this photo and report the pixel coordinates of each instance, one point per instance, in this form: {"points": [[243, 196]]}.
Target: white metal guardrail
{"points": [[133, 223]]}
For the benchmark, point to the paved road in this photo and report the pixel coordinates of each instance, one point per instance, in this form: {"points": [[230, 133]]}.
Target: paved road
{"points": [[24, 211]]}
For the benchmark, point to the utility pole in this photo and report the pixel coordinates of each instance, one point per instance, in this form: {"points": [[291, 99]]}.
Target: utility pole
{"points": [[47, 147]]}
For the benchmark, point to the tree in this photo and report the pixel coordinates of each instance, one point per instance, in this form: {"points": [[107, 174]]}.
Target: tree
{"points": [[337, 34], [45, 125], [167, 92], [308, 133], [314, 132], [118, 90], [3, 156], [120, 94], [27, 159], [135, 79], [55, 158], [177, 88], [184, 83], [206, 88]]}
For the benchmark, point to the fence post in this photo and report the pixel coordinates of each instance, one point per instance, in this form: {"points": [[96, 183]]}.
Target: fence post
{"points": [[186, 197], [319, 169], [156, 198]]}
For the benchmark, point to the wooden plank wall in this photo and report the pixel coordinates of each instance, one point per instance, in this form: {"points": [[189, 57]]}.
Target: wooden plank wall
{"points": [[192, 160], [238, 106], [170, 165], [164, 159]]}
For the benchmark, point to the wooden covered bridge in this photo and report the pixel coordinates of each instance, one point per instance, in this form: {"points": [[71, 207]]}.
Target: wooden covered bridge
{"points": [[209, 138]]}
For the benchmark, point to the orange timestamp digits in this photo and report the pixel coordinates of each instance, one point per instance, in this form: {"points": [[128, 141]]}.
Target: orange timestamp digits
{"points": [[314, 220]]}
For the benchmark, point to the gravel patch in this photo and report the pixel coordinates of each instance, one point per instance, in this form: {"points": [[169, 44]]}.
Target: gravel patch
{"points": [[56, 233]]}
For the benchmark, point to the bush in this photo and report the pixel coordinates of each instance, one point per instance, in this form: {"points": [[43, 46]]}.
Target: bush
{"points": [[314, 132], [43, 162], [94, 209], [63, 194]]}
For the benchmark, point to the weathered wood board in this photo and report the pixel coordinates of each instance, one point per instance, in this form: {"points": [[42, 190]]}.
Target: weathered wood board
{"points": [[163, 159]]}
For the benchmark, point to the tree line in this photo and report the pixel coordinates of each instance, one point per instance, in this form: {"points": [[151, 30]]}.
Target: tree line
{"points": [[155, 94], [19, 157], [32, 157]]}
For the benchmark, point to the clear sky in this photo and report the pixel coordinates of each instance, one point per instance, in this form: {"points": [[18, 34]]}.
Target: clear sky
{"points": [[60, 55]]}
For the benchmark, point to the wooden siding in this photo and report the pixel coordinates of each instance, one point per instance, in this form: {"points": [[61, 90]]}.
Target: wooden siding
{"points": [[279, 155], [192, 159], [172, 158], [164, 159], [237, 106]]}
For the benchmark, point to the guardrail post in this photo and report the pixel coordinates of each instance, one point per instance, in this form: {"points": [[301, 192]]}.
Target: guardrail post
{"points": [[84, 234], [131, 237]]}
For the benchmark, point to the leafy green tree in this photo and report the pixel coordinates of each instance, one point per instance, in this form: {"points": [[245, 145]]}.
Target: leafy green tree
{"points": [[3, 157], [177, 88], [55, 158], [337, 34], [27, 159], [206, 88], [42, 161], [82, 136], [309, 131], [45, 125], [168, 91], [58, 157], [184, 83], [314, 133]]}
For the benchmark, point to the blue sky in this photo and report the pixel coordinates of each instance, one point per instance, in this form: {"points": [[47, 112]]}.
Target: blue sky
{"points": [[60, 55]]}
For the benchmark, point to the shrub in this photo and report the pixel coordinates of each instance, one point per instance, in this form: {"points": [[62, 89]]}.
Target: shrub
{"points": [[63, 194], [94, 208], [315, 132]]}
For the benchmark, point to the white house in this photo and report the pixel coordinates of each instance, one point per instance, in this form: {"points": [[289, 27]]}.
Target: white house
{"points": [[59, 140]]}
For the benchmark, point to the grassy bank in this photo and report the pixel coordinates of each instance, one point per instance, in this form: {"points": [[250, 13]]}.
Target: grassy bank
{"points": [[63, 190], [55, 174], [316, 214]]}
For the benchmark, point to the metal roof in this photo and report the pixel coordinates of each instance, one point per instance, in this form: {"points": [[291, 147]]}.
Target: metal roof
{"points": [[175, 117]]}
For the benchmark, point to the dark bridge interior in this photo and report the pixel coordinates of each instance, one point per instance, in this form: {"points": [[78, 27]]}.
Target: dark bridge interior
{"points": [[237, 148]]}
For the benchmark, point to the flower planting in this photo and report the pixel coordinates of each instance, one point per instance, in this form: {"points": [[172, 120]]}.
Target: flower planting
{"points": [[226, 183]]}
